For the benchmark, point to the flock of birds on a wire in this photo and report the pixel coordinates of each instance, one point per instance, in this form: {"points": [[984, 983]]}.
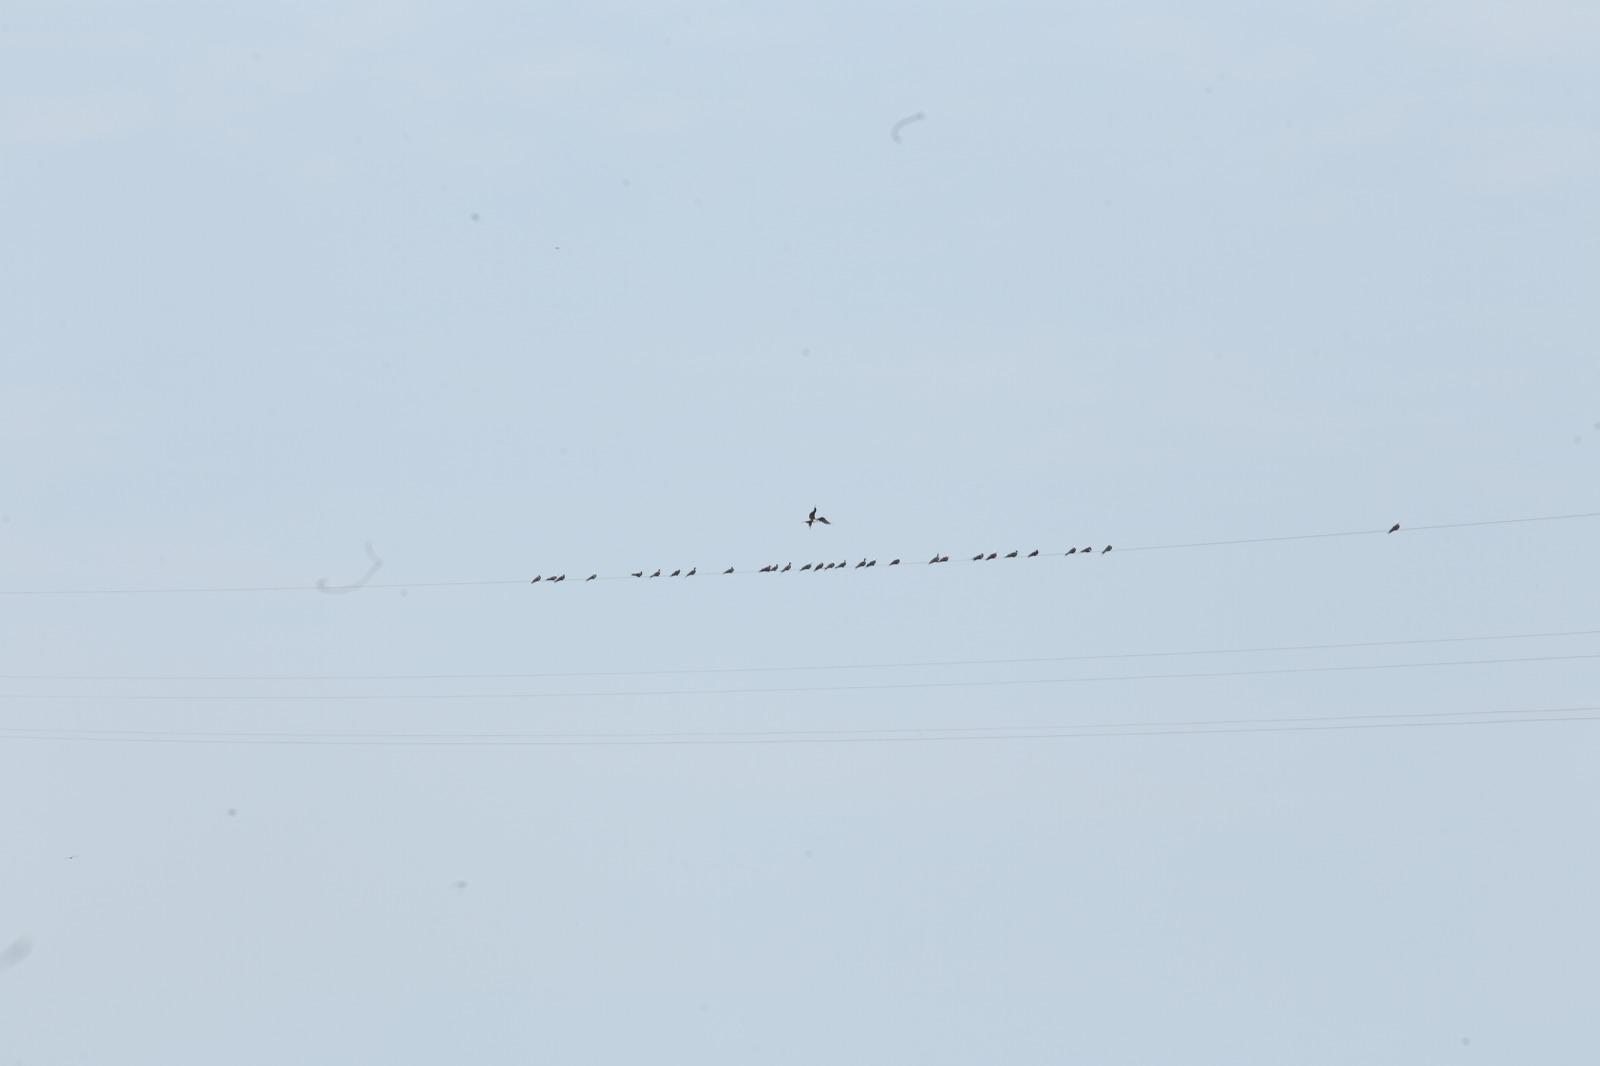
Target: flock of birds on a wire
{"points": [[815, 519]]}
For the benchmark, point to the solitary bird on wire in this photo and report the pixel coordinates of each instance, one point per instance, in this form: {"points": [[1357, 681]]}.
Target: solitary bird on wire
{"points": [[1033, 553], [591, 577], [1395, 528], [728, 571], [1011, 555], [894, 562]]}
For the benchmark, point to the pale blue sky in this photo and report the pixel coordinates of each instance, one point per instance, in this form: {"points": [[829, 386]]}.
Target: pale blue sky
{"points": [[506, 289]]}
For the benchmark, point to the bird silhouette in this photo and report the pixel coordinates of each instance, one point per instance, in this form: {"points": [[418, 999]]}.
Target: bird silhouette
{"points": [[933, 560], [843, 563], [535, 581], [989, 556], [691, 572], [656, 574], [591, 577], [1105, 549], [814, 517], [944, 558], [804, 568], [894, 562], [861, 564], [1395, 528], [828, 566], [872, 562], [1033, 553], [1011, 555], [786, 568], [1090, 549], [676, 573], [978, 558], [638, 573], [728, 571], [1072, 551]]}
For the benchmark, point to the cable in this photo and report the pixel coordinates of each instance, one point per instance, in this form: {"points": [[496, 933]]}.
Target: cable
{"points": [[794, 689], [747, 572], [924, 664], [1321, 723]]}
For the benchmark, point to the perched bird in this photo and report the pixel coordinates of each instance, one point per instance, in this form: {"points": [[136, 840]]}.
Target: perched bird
{"points": [[1011, 555], [786, 568], [728, 571], [1033, 553], [676, 573], [944, 558], [1072, 551], [638, 573], [591, 577], [933, 560], [1395, 528], [764, 569], [872, 562], [828, 566], [978, 558], [861, 564], [656, 574], [1105, 549], [894, 562], [843, 563], [989, 556], [691, 572], [535, 581], [804, 568], [1088, 549], [563, 577]]}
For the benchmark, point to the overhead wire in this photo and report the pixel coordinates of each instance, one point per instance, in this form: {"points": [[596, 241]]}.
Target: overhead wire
{"points": [[747, 572]]}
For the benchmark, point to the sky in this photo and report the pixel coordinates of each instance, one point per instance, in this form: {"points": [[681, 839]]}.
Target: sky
{"points": [[503, 290]]}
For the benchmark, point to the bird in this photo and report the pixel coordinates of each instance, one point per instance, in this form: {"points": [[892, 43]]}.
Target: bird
{"points": [[786, 568], [843, 563], [675, 573], [990, 555], [934, 559], [1072, 551], [728, 571], [978, 558], [1090, 549], [535, 581], [804, 568], [872, 562], [814, 517], [827, 566], [861, 564], [944, 558], [1105, 549], [894, 562], [1011, 555], [563, 577], [691, 572], [656, 574], [638, 573], [1033, 553], [1395, 528], [591, 577]]}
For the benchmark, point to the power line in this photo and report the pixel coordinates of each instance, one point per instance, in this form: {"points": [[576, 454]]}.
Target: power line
{"points": [[747, 572], [792, 689], [1319, 723], [817, 668]]}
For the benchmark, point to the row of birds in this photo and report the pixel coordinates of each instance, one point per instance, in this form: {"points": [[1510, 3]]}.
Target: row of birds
{"points": [[774, 568]]}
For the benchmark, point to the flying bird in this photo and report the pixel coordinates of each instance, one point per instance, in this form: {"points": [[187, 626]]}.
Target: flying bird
{"points": [[1033, 553], [1395, 528], [814, 517]]}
